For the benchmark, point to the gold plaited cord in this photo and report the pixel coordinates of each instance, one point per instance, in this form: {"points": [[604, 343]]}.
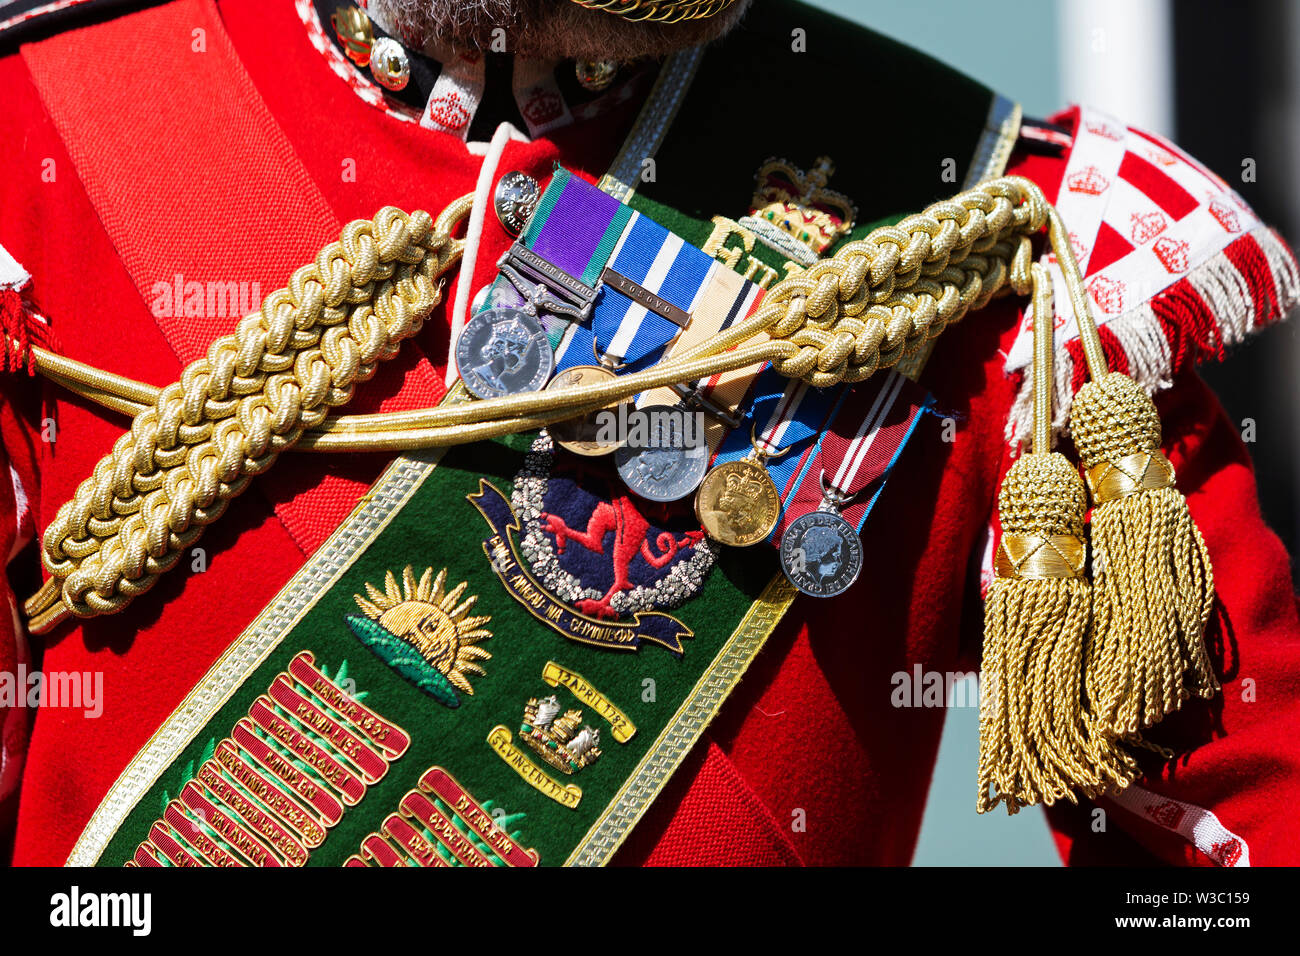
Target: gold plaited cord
{"points": [[272, 384], [658, 11], [234, 410]]}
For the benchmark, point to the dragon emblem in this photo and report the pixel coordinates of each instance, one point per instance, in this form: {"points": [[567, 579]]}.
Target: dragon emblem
{"points": [[598, 548]]}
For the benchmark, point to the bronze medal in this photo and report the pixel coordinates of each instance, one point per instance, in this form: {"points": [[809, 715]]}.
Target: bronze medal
{"points": [[737, 503], [579, 435]]}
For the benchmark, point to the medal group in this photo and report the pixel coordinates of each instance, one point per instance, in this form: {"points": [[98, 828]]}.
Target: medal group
{"points": [[592, 289]]}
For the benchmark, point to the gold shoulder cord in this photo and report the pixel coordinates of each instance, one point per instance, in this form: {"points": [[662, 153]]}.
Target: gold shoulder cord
{"points": [[1078, 671], [271, 384]]}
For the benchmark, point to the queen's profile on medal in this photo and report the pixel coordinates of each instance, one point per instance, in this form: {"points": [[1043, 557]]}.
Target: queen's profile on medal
{"points": [[821, 553], [502, 352]]}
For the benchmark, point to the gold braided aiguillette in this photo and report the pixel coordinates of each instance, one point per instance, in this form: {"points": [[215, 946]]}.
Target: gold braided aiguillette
{"points": [[272, 385]]}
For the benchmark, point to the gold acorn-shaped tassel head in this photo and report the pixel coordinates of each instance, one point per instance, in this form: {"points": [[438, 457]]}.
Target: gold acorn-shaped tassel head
{"points": [[1037, 742], [1153, 587]]}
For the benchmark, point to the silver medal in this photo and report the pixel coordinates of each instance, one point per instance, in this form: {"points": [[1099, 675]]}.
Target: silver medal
{"points": [[664, 458], [821, 554], [503, 352]]}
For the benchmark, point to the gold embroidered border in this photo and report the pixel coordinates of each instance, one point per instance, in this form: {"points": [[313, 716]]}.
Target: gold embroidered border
{"points": [[392, 491], [992, 153], [682, 732]]}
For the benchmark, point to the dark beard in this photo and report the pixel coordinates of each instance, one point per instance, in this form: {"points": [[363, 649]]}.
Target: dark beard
{"points": [[549, 28], [459, 23]]}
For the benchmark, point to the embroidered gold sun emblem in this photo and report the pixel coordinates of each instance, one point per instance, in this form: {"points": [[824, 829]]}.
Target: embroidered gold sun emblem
{"points": [[434, 622]]}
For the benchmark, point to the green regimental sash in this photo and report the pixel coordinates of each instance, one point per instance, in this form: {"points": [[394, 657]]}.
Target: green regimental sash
{"points": [[423, 691], [366, 691]]}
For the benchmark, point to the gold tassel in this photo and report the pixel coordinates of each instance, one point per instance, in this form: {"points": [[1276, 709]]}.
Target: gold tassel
{"points": [[1153, 587], [1037, 742]]}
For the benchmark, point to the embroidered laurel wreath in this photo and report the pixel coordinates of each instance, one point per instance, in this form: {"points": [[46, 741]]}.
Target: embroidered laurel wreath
{"points": [[1077, 669]]}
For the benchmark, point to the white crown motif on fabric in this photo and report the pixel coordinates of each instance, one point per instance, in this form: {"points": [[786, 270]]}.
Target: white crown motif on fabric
{"points": [[1167, 250]]}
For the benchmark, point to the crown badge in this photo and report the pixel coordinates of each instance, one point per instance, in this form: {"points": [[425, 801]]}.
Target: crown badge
{"points": [[743, 485], [1227, 218], [795, 213], [1146, 226], [562, 740], [1172, 253], [1108, 293]]}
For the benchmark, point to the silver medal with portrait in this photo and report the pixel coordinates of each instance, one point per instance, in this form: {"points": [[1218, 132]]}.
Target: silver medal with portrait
{"points": [[503, 352], [664, 456], [821, 554]]}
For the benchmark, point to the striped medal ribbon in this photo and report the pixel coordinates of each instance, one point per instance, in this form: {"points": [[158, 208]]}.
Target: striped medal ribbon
{"points": [[574, 229], [779, 434], [689, 422], [650, 289], [841, 480], [546, 282]]}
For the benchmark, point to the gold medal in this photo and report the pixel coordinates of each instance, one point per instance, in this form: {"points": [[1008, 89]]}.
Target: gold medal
{"points": [[579, 435], [737, 503]]}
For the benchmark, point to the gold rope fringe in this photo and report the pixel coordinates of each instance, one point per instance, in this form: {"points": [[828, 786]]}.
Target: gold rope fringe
{"points": [[1153, 584], [1037, 742]]}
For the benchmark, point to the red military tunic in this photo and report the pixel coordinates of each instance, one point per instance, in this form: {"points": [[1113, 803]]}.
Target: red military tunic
{"points": [[811, 735]]}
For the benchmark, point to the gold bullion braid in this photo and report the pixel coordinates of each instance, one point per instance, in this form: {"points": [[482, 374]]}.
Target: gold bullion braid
{"points": [[876, 300], [660, 11], [235, 410], [275, 380], [884, 296]]}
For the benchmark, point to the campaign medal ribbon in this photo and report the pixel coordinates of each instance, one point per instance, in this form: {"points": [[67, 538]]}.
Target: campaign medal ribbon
{"points": [[547, 281], [649, 292], [864, 434], [554, 272], [820, 550], [669, 470], [740, 500]]}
